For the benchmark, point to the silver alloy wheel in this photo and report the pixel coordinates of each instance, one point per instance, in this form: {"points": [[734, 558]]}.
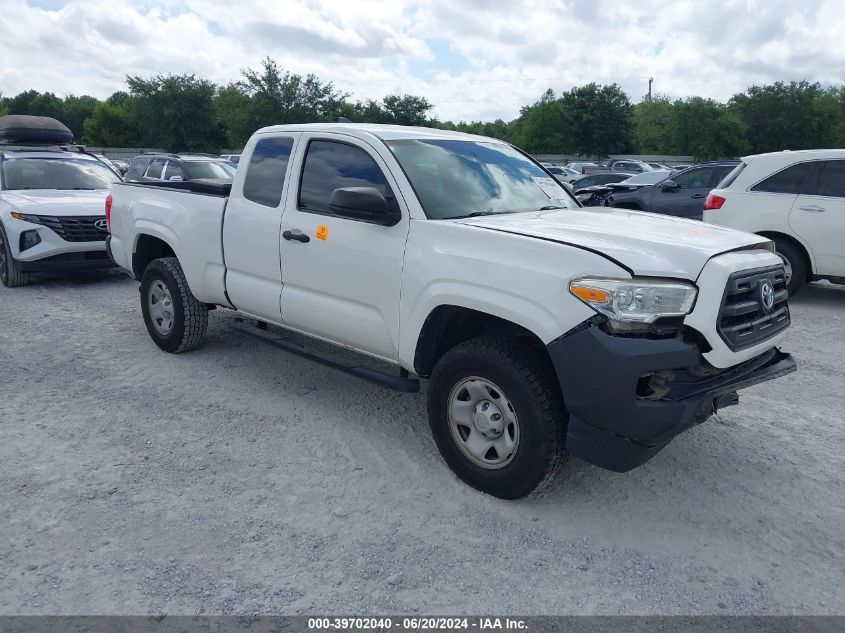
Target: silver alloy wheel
{"points": [[483, 423], [787, 268], [160, 305]]}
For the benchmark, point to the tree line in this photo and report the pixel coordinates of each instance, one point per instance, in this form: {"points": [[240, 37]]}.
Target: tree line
{"points": [[188, 113]]}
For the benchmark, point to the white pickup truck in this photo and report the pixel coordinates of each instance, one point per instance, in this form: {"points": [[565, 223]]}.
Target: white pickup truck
{"points": [[543, 328]]}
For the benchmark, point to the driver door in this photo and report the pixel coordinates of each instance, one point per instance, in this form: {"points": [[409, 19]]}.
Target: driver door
{"points": [[341, 277]]}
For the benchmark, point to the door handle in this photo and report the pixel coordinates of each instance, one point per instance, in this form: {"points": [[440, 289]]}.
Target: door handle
{"points": [[296, 236], [698, 196], [813, 207]]}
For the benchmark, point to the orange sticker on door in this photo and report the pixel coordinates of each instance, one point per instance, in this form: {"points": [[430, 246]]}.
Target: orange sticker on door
{"points": [[322, 232]]}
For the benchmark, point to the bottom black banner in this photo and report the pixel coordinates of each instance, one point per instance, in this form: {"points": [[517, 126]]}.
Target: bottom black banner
{"points": [[308, 624]]}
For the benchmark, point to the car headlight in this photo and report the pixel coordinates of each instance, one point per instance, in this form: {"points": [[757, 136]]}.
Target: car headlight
{"points": [[635, 302]]}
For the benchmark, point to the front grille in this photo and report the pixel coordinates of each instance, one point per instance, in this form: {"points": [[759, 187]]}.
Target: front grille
{"points": [[744, 319], [73, 228]]}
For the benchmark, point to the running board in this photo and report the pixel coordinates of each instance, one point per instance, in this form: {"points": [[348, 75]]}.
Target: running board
{"points": [[398, 383]]}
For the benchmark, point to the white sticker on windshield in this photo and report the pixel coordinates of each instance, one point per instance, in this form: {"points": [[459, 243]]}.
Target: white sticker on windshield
{"points": [[550, 187]]}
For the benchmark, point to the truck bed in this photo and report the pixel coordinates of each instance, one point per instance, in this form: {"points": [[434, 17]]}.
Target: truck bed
{"points": [[187, 216]]}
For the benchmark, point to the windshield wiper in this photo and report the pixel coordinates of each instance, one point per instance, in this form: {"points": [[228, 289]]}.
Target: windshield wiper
{"points": [[549, 207], [77, 189], [476, 214]]}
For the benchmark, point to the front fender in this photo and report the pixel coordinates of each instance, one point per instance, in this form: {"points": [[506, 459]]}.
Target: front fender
{"points": [[521, 279]]}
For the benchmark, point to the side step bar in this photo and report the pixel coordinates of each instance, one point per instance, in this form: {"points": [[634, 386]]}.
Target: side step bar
{"points": [[399, 383]]}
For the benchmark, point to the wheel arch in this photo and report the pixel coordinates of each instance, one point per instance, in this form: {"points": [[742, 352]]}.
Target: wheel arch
{"points": [[147, 248], [448, 325]]}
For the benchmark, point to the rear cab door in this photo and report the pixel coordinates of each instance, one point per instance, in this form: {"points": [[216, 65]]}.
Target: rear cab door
{"points": [[251, 226], [342, 277]]}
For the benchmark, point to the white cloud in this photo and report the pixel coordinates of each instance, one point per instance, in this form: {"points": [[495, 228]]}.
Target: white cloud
{"points": [[473, 60]]}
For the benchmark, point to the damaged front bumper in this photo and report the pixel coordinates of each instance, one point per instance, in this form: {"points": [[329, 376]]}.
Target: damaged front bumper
{"points": [[628, 397]]}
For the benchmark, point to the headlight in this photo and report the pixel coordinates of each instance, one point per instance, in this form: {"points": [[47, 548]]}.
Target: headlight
{"points": [[635, 301]]}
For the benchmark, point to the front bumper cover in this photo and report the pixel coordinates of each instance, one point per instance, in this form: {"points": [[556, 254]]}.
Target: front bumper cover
{"points": [[615, 420], [78, 260]]}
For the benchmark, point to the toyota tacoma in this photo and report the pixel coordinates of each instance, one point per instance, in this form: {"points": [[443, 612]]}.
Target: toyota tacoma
{"points": [[543, 329]]}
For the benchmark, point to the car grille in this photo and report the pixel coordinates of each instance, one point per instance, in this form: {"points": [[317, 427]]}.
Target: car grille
{"points": [[73, 228], [744, 319]]}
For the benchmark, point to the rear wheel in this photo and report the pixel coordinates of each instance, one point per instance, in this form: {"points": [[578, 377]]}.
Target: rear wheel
{"points": [[795, 265], [175, 320], [497, 416], [10, 269]]}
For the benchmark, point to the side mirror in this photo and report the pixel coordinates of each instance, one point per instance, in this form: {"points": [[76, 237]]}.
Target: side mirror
{"points": [[669, 185], [366, 204], [175, 178]]}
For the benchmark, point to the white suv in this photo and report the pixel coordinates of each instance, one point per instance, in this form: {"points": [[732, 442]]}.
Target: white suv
{"points": [[797, 199]]}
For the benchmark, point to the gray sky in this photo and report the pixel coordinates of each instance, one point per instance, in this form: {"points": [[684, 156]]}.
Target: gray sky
{"points": [[474, 59]]}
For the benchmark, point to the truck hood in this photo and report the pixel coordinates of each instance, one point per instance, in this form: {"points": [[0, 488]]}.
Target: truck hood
{"points": [[57, 202], [645, 243]]}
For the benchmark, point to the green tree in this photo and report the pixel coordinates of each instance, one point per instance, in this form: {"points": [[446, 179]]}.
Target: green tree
{"points": [[832, 108], [232, 111], [112, 126], [75, 110], [175, 112], [651, 121], [601, 119], [393, 109], [785, 116], [544, 127], [278, 97], [36, 103], [706, 129]]}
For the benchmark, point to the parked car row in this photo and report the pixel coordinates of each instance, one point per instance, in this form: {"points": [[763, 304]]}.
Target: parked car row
{"points": [[53, 195], [157, 167], [681, 194], [795, 198]]}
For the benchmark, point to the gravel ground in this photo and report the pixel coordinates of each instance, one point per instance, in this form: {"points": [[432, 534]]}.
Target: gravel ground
{"points": [[238, 479]]}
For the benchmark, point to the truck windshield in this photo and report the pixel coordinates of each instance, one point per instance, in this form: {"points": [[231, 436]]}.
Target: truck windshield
{"points": [[209, 169], [56, 173], [455, 179]]}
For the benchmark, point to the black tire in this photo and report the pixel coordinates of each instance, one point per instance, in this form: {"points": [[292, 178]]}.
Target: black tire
{"points": [[796, 259], [190, 317], [10, 268], [528, 382]]}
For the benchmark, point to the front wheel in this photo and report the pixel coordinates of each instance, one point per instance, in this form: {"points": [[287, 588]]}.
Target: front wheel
{"points": [[174, 318], [10, 269], [497, 416]]}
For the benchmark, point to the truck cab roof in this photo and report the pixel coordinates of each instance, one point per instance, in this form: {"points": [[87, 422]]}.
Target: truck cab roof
{"points": [[381, 131]]}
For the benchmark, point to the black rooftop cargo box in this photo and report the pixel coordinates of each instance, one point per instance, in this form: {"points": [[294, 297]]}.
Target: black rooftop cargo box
{"points": [[23, 129]]}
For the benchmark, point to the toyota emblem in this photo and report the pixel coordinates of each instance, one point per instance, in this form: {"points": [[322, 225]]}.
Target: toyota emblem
{"points": [[103, 225], [767, 295]]}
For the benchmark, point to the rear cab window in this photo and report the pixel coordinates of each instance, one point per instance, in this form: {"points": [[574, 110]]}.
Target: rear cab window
{"points": [[265, 174]]}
